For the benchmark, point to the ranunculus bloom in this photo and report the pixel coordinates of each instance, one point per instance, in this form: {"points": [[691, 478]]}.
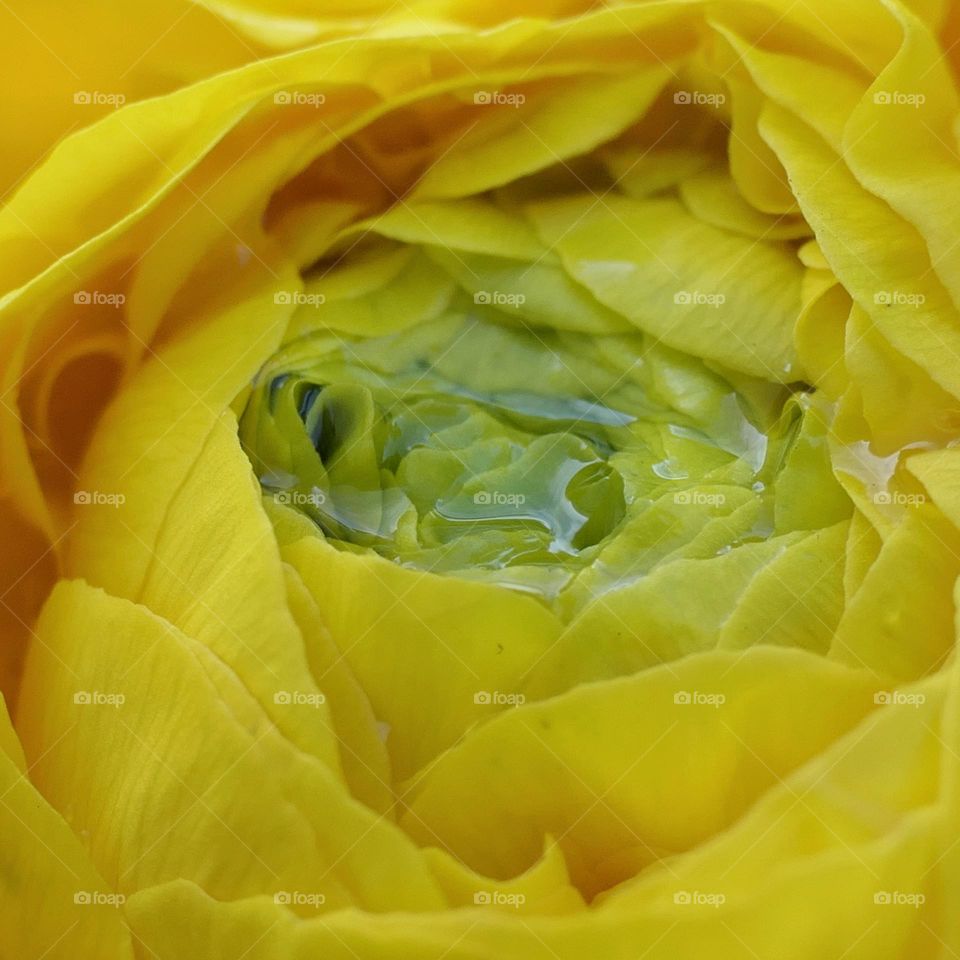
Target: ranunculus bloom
{"points": [[480, 481]]}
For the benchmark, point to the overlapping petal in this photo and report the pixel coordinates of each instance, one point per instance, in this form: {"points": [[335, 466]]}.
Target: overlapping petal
{"points": [[241, 732]]}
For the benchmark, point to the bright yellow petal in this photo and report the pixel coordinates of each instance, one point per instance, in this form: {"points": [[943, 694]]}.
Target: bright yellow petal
{"points": [[53, 901], [205, 786]]}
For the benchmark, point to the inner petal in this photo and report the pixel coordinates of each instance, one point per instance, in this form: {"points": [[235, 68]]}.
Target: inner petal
{"points": [[480, 446]]}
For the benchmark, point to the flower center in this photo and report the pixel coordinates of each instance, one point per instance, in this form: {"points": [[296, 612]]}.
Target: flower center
{"points": [[485, 448]]}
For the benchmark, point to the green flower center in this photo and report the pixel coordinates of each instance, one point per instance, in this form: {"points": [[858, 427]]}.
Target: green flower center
{"points": [[477, 446]]}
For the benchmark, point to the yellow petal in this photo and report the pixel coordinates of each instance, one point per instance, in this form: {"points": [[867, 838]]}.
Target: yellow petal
{"points": [[596, 767], [566, 120], [363, 757], [796, 599], [908, 631], [692, 285], [205, 786], [543, 889], [53, 902], [433, 654]]}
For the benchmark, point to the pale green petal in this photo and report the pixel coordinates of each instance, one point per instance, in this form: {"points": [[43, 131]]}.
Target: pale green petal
{"points": [[666, 271]]}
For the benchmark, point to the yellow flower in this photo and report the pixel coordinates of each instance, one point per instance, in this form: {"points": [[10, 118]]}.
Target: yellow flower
{"points": [[480, 481]]}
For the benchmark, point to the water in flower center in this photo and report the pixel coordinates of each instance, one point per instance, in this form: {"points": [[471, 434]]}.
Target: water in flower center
{"points": [[483, 448]]}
